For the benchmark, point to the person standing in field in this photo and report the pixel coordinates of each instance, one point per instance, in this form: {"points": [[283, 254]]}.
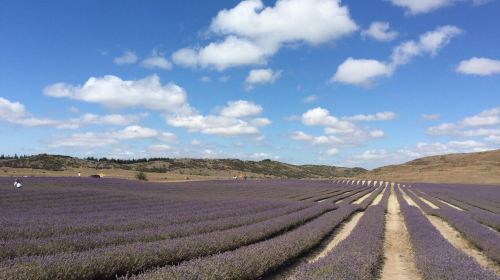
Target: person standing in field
{"points": [[17, 183]]}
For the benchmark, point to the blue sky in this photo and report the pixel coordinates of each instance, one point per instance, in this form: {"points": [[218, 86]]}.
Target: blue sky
{"points": [[351, 83]]}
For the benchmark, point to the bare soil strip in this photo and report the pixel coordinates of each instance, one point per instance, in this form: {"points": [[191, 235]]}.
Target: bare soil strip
{"points": [[340, 235], [451, 205], [432, 205], [377, 199], [324, 248], [457, 240], [399, 261], [361, 199]]}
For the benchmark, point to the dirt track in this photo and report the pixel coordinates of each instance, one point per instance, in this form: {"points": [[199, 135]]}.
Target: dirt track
{"points": [[399, 263]]}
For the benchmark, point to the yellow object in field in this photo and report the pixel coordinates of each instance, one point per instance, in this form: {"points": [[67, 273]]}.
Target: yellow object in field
{"points": [[102, 175]]}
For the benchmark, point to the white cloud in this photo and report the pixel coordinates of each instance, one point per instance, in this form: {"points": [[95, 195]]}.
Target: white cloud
{"points": [[332, 151], [134, 132], [442, 129], [310, 99], [312, 21], [167, 137], [262, 155], [255, 32], [371, 155], [301, 136], [380, 31], [231, 52], [156, 60], [479, 66], [113, 92], [424, 6], [485, 118], [261, 76], [83, 140], [339, 131], [380, 116], [361, 72], [15, 112], [128, 57], [236, 118], [485, 124], [422, 149], [240, 108], [98, 140], [93, 119], [429, 43], [431, 117]]}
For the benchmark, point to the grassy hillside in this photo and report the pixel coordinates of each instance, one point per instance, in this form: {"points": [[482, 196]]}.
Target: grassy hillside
{"points": [[474, 168], [178, 168]]}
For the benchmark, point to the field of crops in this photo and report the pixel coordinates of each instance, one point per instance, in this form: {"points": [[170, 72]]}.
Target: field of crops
{"points": [[85, 228]]}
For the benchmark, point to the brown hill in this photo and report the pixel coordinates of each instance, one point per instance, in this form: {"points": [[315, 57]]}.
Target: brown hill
{"points": [[470, 168], [167, 168]]}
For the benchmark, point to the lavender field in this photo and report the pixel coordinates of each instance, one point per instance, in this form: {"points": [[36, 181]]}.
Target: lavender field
{"points": [[85, 228]]}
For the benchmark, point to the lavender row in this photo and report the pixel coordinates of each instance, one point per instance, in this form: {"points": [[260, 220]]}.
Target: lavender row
{"points": [[260, 259], [105, 263], [90, 226], [359, 256], [88, 241], [483, 197], [484, 217], [483, 238], [255, 261], [435, 257], [481, 216]]}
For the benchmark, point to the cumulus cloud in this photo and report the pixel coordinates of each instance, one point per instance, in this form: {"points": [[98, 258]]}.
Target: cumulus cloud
{"points": [[415, 7], [236, 118], [231, 52], [339, 131], [380, 31], [479, 66], [156, 60], [254, 32], [485, 124], [240, 108], [16, 113], [113, 92], [98, 140], [93, 119], [128, 57], [380, 157], [380, 116], [429, 43], [261, 76], [363, 72]]}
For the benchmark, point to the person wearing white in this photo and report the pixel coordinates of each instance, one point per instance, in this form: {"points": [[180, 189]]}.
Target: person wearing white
{"points": [[17, 183]]}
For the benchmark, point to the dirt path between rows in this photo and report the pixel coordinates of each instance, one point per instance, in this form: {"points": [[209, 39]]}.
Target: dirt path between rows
{"points": [[458, 241], [341, 234], [399, 262]]}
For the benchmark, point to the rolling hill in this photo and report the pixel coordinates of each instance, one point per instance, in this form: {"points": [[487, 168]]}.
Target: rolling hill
{"points": [[175, 169], [473, 168]]}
